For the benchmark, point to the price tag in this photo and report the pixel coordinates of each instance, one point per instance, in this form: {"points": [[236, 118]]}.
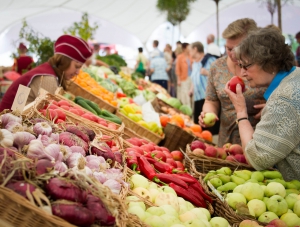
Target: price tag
{"points": [[215, 191], [21, 98]]}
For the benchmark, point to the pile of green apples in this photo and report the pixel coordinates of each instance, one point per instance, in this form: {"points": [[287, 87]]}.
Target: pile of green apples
{"points": [[169, 210], [261, 194]]}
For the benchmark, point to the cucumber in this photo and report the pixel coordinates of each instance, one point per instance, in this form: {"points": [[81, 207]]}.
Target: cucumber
{"points": [[112, 119], [83, 104], [94, 106], [107, 113], [78, 98]]}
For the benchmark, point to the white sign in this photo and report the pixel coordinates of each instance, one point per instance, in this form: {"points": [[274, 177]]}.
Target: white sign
{"points": [[21, 98]]}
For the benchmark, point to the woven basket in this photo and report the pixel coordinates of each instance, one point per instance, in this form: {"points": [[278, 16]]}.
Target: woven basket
{"points": [[60, 92], [201, 164], [158, 104], [140, 130], [41, 102], [79, 91], [18, 211]]}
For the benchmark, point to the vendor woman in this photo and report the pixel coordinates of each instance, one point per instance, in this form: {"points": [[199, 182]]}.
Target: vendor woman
{"points": [[70, 53]]}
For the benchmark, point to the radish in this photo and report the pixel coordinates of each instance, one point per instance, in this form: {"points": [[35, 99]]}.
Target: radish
{"points": [[21, 187], [71, 139], [74, 213], [96, 206], [76, 131], [61, 189]]}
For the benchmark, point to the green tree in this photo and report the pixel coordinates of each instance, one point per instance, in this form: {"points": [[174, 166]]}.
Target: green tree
{"points": [[83, 29], [177, 10], [39, 45]]}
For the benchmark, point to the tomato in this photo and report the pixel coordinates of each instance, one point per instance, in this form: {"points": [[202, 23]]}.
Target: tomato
{"points": [[44, 112], [65, 107], [53, 106], [79, 110], [55, 103], [52, 114], [63, 103], [60, 114]]}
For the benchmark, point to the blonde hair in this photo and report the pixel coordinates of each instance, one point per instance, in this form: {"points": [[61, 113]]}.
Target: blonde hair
{"points": [[60, 63], [178, 50], [239, 28]]}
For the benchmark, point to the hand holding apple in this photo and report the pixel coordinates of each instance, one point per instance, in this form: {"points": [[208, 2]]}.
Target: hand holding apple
{"points": [[207, 119]]}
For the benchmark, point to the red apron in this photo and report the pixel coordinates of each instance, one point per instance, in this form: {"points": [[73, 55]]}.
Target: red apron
{"points": [[26, 79]]}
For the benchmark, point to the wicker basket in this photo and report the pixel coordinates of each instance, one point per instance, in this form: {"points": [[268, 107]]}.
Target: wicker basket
{"points": [[60, 92], [140, 130], [201, 164], [131, 134], [18, 211], [158, 104], [79, 91]]}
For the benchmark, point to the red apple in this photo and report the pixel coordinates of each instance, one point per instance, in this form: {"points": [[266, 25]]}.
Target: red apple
{"points": [[168, 154], [197, 144], [226, 147], [179, 165], [171, 162], [198, 152], [234, 81], [235, 149], [165, 149], [211, 152], [231, 158], [177, 155], [221, 153], [240, 158]]}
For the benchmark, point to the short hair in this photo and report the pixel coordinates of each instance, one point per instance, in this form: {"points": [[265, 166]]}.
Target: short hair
{"points": [[198, 46], [96, 45], [298, 35], [140, 49], [239, 28], [185, 45], [178, 42], [155, 42], [266, 47], [211, 37]]}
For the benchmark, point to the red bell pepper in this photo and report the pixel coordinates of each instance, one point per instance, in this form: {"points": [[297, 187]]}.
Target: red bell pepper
{"points": [[186, 195], [147, 169], [120, 95], [170, 178]]}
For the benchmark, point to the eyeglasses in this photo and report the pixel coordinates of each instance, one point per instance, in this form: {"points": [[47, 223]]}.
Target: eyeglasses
{"points": [[245, 67]]}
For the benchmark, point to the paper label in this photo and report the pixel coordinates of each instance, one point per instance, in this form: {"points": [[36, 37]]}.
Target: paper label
{"points": [[215, 191], [21, 98]]}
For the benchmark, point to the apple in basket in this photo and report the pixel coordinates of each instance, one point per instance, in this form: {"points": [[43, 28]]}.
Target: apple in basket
{"points": [[177, 155]]}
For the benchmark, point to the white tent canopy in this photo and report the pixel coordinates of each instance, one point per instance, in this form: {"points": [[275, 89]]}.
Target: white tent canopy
{"points": [[131, 23]]}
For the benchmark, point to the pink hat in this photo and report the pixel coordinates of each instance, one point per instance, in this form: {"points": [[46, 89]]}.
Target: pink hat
{"points": [[72, 47], [22, 46]]}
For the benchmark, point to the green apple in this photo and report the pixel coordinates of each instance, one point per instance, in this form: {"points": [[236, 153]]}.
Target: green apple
{"points": [[194, 223], [238, 189], [170, 219], [152, 185], [182, 209], [297, 183], [267, 217], [258, 207], [274, 188], [155, 221], [209, 119], [167, 189], [140, 204], [199, 213], [143, 192], [135, 201], [290, 211], [178, 225], [277, 205], [296, 208], [290, 219], [265, 200], [167, 199], [147, 215], [137, 180], [207, 223], [181, 201], [189, 206], [252, 191], [153, 193], [219, 222], [233, 198], [138, 211], [289, 191], [291, 200], [155, 211], [187, 216], [206, 212], [257, 176], [264, 187], [169, 210]]}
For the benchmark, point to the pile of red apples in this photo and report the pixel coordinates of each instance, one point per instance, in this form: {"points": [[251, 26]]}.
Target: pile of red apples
{"points": [[229, 152]]}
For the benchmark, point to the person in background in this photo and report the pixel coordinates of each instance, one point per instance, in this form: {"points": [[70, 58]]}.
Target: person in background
{"points": [[298, 49], [212, 48], [93, 59], [107, 51], [267, 61], [221, 71], [158, 67], [141, 62], [199, 77], [23, 63], [173, 78], [169, 60], [155, 48], [178, 44], [70, 53], [183, 71]]}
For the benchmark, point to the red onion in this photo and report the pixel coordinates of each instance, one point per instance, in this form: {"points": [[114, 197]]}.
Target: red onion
{"points": [[21, 187], [107, 155], [78, 149]]}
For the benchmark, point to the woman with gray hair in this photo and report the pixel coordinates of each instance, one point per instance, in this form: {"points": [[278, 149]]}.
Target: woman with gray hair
{"points": [[266, 61]]}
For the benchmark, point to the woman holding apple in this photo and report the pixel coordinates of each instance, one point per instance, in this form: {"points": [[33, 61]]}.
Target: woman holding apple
{"points": [[222, 70], [266, 61]]}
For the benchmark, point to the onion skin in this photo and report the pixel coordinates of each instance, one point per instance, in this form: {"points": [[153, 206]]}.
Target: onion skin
{"points": [[21, 187], [108, 156], [91, 134], [118, 157], [76, 131], [60, 189], [76, 214], [96, 206], [71, 139], [43, 166]]}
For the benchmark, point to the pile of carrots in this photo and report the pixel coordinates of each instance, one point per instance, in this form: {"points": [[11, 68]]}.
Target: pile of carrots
{"points": [[85, 81]]}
